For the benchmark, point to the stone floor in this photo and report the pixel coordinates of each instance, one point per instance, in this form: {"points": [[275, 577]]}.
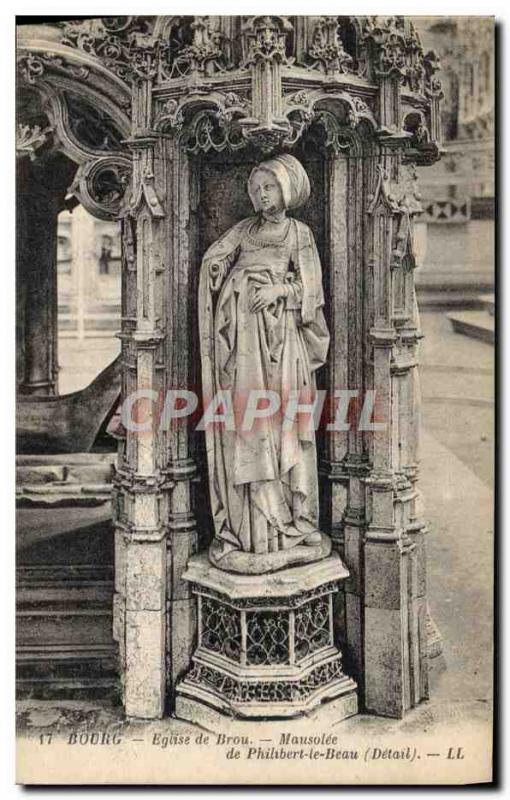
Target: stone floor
{"points": [[457, 473]]}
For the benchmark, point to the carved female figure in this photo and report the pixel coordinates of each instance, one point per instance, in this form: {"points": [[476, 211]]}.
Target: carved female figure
{"points": [[262, 331]]}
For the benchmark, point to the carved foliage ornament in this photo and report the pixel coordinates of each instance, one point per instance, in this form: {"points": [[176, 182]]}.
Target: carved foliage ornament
{"points": [[124, 46], [100, 185], [204, 56], [116, 41], [171, 113], [224, 128], [29, 139], [326, 50], [398, 51], [208, 132], [308, 105], [32, 67], [337, 136], [265, 40]]}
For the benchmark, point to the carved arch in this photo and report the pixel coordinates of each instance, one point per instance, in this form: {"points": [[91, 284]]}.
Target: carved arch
{"points": [[173, 115], [346, 108], [49, 57], [60, 75]]}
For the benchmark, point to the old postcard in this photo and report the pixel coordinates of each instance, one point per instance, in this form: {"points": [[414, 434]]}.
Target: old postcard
{"points": [[255, 399]]}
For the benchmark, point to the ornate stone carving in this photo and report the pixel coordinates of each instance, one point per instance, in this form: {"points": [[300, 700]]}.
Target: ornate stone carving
{"points": [[169, 115], [117, 24], [211, 132], [228, 108], [267, 638], [100, 185], [402, 196], [264, 39], [264, 48], [326, 50], [30, 139], [204, 56], [292, 601], [304, 107], [265, 653], [338, 137], [33, 66], [146, 191], [146, 59], [414, 69], [399, 50], [267, 692], [268, 138], [113, 40]]}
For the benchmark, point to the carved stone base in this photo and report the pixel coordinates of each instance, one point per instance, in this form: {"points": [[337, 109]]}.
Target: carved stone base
{"points": [[265, 645], [262, 563], [324, 716]]}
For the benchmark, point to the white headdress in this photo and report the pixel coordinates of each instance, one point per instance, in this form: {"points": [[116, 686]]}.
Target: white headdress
{"points": [[291, 177]]}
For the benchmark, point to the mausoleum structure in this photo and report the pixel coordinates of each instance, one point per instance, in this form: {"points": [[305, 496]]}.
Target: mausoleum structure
{"points": [[181, 111]]}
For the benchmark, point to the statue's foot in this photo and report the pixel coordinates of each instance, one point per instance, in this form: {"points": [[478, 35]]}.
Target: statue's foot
{"points": [[306, 552]]}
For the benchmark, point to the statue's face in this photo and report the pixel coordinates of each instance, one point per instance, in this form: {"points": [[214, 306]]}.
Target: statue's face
{"points": [[266, 193]]}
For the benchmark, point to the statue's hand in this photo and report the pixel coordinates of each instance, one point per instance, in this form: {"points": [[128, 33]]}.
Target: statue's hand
{"points": [[264, 296]]}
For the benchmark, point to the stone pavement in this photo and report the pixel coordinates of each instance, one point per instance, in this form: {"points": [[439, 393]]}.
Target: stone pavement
{"points": [[457, 384]]}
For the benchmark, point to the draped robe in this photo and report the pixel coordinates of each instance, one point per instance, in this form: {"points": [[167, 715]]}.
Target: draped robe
{"points": [[263, 481]]}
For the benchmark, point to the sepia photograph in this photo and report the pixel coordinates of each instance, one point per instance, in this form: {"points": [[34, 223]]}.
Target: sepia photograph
{"points": [[255, 400]]}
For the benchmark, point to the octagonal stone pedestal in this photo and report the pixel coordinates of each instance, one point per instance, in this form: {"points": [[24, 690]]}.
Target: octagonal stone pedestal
{"points": [[265, 644]]}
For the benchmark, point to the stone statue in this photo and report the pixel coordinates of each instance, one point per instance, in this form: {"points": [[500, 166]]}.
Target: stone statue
{"points": [[262, 331]]}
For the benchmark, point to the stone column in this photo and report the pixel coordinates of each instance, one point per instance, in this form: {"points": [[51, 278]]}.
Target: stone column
{"points": [[142, 486], [40, 195], [332, 468], [180, 357], [394, 609], [154, 617], [344, 466]]}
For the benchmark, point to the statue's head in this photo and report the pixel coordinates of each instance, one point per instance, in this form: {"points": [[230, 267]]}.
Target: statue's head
{"points": [[277, 184]]}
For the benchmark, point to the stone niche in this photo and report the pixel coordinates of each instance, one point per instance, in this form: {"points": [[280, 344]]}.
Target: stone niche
{"points": [[219, 200], [266, 646]]}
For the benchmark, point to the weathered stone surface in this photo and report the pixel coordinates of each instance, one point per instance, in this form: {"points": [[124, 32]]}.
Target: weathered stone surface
{"points": [[183, 547], [40, 474], [353, 549], [385, 669], [353, 634], [145, 664], [183, 635], [119, 619], [120, 550], [385, 576], [145, 576]]}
